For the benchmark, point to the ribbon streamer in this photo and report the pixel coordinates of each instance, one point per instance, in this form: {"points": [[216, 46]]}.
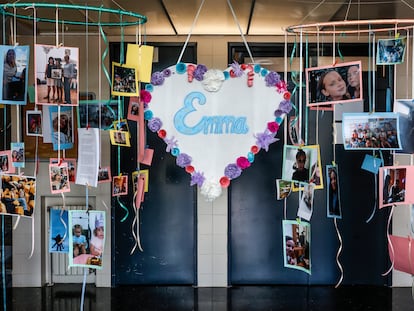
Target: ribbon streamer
{"points": [[375, 201], [338, 253], [389, 241], [124, 208], [3, 264], [83, 289], [137, 200]]}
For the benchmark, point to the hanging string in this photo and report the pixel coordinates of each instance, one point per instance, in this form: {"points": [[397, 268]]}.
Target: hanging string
{"points": [[306, 107], [191, 31], [87, 65], [375, 199], [373, 72], [240, 30], [406, 63], [83, 289], [391, 247], [4, 114], [300, 86], [57, 26], [338, 253], [3, 262], [285, 208], [412, 69], [285, 128], [370, 55]]}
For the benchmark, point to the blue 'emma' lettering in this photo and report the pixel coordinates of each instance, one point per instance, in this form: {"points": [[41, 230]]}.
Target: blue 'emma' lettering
{"points": [[207, 124]]}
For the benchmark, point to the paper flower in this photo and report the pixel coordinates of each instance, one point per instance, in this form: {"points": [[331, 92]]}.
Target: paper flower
{"points": [[183, 160], [273, 127], [197, 179], [272, 78], [199, 72], [278, 113], [162, 134], [145, 96], [281, 87], [171, 143], [211, 190], [157, 78], [265, 139], [232, 171], [181, 68], [148, 114], [243, 162], [213, 80], [224, 181], [189, 169], [166, 73], [237, 70], [154, 124], [285, 106]]}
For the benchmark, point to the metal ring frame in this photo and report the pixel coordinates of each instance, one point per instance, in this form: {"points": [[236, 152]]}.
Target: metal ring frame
{"points": [[135, 18], [353, 27]]}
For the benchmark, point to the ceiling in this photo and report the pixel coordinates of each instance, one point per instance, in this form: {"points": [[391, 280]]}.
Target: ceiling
{"points": [[255, 17]]}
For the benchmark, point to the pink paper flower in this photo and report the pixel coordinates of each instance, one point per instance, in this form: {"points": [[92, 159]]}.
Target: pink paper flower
{"points": [[242, 162], [145, 96], [273, 127]]}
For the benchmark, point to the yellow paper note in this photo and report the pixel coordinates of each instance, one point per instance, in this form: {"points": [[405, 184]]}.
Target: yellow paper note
{"points": [[140, 57]]}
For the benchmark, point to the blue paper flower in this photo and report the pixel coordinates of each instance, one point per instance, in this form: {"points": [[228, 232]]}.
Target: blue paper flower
{"points": [[181, 68]]}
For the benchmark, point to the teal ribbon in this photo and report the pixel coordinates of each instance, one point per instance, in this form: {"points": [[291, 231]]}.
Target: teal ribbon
{"points": [[105, 53], [338, 49], [3, 264], [306, 108], [124, 208]]}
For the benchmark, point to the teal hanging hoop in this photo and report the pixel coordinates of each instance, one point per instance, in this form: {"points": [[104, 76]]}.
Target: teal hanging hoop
{"points": [[110, 17]]}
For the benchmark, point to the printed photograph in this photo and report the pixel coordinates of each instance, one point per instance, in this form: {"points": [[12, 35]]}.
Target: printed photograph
{"points": [[18, 195], [391, 51], [120, 138], [6, 162], [98, 114], [393, 185], [371, 131], [133, 109], [329, 85], [104, 174], [119, 185], [71, 162], [57, 75], [17, 151], [306, 202], [14, 68], [283, 188], [124, 80], [333, 202], [405, 110], [296, 245], [61, 127], [59, 178], [86, 238], [58, 233], [34, 123]]}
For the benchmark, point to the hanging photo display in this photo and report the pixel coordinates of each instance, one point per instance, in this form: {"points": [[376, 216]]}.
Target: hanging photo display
{"points": [[57, 75], [120, 138], [333, 198], [104, 174], [86, 238], [120, 185], [71, 162], [371, 131], [401, 251], [88, 157], [124, 80], [6, 162], [58, 233], [391, 51], [296, 245], [405, 110], [61, 127], [34, 123], [302, 164], [212, 107], [18, 195], [133, 109], [341, 83], [14, 67], [395, 183]]}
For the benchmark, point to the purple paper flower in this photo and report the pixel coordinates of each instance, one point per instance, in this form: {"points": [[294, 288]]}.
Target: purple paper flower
{"points": [[278, 113], [285, 106], [171, 143], [157, 78], [183, 160], [232, 171], [197, 179], [166, 73], [199, 72], [272, 78], [237, 70], [263, 140], [154, 124]]}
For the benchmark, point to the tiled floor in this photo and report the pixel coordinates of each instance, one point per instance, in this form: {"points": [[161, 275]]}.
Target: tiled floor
{"points": [[249, 298]]}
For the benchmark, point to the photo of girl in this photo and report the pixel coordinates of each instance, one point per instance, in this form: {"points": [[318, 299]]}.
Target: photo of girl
{"points": [[332, 195], [61, 127], [59, 178], [334, 84], [33, 123]]}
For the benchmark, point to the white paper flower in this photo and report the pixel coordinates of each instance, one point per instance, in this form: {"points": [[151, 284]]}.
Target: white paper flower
{"points": [[213, 80], [211, 190]]}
